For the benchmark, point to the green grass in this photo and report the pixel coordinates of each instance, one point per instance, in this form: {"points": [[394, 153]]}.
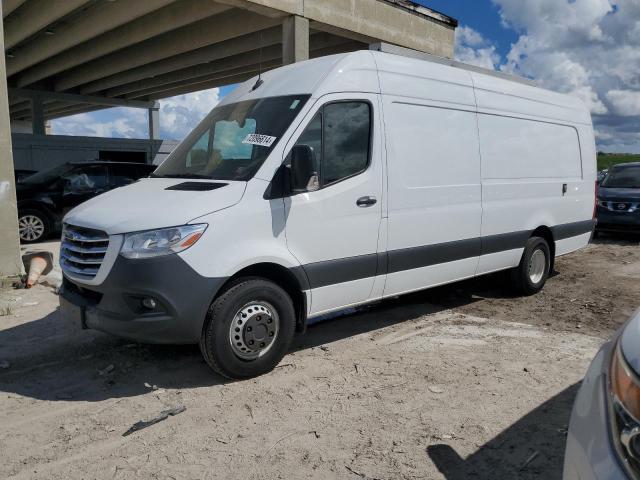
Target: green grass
{"points": [[606, 160]]}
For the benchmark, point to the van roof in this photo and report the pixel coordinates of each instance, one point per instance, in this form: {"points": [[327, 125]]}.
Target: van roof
{"points": [[427, 57], [373, 71]]}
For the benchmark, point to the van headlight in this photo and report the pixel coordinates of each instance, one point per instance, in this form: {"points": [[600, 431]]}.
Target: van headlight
{"points": [[155, 243], [624, 387]]}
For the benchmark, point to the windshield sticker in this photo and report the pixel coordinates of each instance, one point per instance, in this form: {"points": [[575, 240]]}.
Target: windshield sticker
{"points": [[261, 140], [294, 105]]}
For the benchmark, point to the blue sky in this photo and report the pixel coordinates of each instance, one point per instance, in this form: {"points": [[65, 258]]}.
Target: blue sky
{"points": [[586, 48], [481, 15]]}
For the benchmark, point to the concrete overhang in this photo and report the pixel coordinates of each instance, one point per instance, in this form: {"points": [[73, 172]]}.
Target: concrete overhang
{"points": [[78, 55]]}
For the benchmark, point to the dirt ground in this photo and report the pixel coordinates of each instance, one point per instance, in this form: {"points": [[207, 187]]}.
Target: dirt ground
{"points": [[463, 381]]}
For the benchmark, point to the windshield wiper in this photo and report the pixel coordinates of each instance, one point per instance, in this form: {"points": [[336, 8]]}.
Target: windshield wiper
{"points": [[182, 175]]}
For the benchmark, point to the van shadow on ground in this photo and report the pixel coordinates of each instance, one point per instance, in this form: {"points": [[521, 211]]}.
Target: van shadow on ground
{"points": [[538, 438], [51, 360]]}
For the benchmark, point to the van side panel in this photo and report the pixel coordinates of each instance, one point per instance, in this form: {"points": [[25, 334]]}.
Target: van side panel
{"points": [[519, 148], [438, 85], [532, 176], [502, 97], [589, 172], [434, 194]]}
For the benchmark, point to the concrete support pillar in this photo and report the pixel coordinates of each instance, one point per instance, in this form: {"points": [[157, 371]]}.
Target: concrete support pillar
{"points": [[10, 263], [37, 116], [154, 122], [295, 39]]}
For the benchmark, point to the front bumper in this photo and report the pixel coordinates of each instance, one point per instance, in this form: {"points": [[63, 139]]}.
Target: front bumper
{"points": [[589, 453], [618, 221], [115, 306]]}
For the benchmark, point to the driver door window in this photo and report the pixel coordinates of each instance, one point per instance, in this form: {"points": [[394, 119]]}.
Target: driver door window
{"points": [[339, 136]]}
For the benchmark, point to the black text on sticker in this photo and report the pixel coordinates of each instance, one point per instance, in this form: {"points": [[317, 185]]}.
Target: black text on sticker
{"points": [[257, 139]]}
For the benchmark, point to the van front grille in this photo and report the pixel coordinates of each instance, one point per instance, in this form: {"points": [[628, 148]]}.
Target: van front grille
{"points": [[82, 251]]}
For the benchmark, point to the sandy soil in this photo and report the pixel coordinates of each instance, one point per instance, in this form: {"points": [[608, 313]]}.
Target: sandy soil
{"points": [[457, 382]]}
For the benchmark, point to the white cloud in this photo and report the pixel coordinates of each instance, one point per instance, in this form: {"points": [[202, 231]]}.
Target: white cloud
{"points": [[178, 116], [625, 102], [474, 49], [603, 135], [121, 123], [586, 48], [469, 37]]}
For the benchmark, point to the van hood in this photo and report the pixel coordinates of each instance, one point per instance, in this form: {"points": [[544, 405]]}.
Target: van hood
{"points": [[155, 203]]}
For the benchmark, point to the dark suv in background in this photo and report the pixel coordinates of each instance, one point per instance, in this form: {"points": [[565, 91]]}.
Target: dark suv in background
{"points": [[45, 197], [619, 199]]}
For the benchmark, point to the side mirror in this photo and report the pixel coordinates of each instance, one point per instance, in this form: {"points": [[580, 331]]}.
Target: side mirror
{"points": [[304, 178]]}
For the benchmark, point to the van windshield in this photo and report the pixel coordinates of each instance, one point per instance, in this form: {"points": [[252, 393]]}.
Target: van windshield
{"points": [[627, 176], [233, 141]]}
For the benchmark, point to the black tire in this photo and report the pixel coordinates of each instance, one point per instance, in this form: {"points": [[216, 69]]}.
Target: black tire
{"points": [[35, 218], [222, 317], [522, 279]]}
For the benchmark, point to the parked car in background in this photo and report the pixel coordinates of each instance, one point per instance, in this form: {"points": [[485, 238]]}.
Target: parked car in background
{"points": [[604, 432], [44, 197], [602, 174], [618, 207], [21, 174]]}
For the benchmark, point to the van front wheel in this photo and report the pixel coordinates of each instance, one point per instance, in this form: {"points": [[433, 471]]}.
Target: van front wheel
{"points": [[529, 277], [248, 329]]}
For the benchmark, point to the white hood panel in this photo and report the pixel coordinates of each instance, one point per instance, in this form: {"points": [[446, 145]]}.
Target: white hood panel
{"points": [[147, 204]]}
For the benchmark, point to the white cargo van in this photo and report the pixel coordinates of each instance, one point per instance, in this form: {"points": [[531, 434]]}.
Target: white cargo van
{"points": [[327, 184]]}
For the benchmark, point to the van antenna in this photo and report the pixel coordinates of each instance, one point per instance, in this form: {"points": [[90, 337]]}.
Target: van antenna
{"points": [[259, 81]]}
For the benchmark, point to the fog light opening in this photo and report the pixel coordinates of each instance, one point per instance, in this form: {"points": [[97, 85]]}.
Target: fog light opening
{"points": [[149, 303]]}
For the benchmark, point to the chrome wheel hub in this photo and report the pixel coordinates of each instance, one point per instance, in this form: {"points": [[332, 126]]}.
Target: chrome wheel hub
{"points": [[30, 227], [537, 266], [253, 330]]}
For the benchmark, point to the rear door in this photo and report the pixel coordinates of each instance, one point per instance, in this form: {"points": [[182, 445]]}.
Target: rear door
{"points": [[333, 232]]}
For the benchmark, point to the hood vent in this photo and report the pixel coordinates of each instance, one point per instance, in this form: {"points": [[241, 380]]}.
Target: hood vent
{"points": [[196, 186]]}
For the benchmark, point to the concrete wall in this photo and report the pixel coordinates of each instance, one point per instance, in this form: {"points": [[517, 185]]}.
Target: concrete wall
{"points": [[385, 22], [25, 126], [38, 152], [382, 22], [10, 263]]}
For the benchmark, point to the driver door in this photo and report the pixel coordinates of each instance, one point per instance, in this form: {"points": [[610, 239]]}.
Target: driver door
{"points": [[333, 231]]}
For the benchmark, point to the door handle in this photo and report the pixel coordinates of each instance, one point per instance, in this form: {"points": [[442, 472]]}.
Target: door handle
{"points": [[366, 201], [564, 189]]}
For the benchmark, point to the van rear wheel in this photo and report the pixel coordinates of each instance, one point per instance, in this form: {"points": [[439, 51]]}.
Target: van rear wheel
{"points": [[529, 277], [248, 329]]}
